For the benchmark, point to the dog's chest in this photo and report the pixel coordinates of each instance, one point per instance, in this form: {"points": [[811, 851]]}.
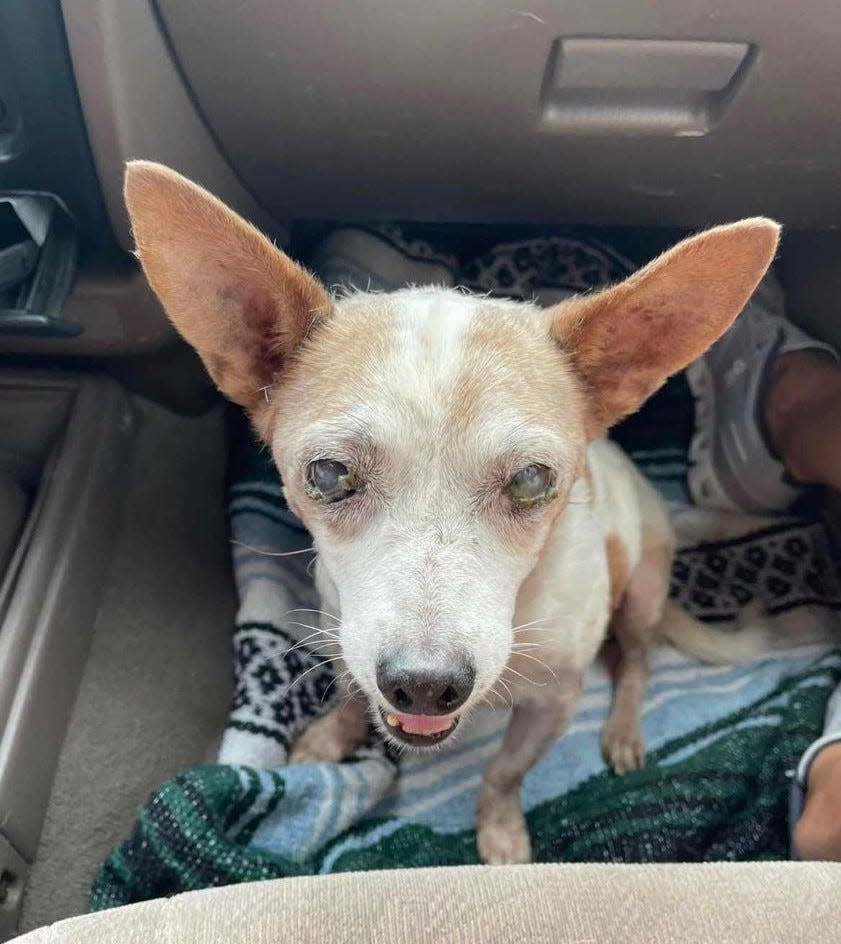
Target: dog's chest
{"points": [[564, 607]]}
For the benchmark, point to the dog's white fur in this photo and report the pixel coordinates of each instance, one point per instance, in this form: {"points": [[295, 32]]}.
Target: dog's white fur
{"points": [[435, 399], [428, 570]]}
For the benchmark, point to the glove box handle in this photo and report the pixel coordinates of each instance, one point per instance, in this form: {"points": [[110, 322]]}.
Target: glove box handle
{"points": [[641, 86]]}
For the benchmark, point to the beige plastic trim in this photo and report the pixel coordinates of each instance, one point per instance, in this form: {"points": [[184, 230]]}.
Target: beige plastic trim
{"points": [[135, 106], [12, 514], [51, 590]]}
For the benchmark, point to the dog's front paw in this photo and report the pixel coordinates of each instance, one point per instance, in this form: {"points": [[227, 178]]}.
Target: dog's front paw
{"points": [[623, 746], [321, 742], [502, 836], [307, 753]]}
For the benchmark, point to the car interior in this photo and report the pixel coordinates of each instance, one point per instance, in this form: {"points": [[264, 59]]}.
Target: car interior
{"points": [[117, 595]]}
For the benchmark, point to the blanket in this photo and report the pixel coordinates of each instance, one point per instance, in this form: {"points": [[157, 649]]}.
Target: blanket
{"points": [[722, 741]]}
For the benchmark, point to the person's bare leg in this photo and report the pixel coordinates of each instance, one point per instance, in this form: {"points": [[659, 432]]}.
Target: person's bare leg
{"points": [[802, 413], [817, 834]]}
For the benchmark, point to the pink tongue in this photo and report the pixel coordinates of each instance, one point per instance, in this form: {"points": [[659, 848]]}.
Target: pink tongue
{"points": [[425, 724]]}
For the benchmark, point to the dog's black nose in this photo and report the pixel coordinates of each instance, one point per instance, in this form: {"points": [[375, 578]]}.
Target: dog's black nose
{"points": [[437, 687]]}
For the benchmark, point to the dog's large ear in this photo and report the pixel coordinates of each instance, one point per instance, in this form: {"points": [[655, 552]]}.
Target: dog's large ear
{"points": [[241, 303], [627, 340]]}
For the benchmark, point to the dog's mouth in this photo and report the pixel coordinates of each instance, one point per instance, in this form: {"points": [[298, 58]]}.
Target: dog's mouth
{"points": [[419, 730]]}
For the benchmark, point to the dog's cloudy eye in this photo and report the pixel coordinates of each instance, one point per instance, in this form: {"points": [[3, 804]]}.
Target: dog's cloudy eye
{"points": [[533, 484], [329, 480]]}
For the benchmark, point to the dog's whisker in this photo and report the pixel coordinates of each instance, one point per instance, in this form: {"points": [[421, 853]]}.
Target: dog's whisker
{"points": [[534, 622], [548, 668], [525, 678], [315, 632], [319, 648], [315, 629], [299, 645], [303, 675], [336, 679], [305, 645], [329, 631], [502, 681], [313, 649], [265, 553], [539, 619], [310, 609], [350, 687], [344, 701], [488, 702]]}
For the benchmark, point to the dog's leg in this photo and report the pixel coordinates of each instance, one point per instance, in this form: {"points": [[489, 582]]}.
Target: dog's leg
{"points": [[333, 736], [634, 628], [501, 833]]}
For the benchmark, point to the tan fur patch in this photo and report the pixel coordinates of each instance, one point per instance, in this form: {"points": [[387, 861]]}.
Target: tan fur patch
{"points": [[618, 566], [337, 365], [508, 364]]}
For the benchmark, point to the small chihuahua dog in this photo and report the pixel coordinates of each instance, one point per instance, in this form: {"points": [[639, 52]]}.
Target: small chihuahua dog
{"points": [[476, 533]]}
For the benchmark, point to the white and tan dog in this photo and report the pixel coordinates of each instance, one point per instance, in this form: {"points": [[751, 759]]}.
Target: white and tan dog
{"points": [[476, 534]]}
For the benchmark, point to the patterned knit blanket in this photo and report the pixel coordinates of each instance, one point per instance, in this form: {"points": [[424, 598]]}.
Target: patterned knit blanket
{"points": [[722, 741]]}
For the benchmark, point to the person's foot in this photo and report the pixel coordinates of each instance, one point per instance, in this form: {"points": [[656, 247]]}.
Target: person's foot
{"points": [[379, 260], [802, 415], [732, 464], [817, 834]]}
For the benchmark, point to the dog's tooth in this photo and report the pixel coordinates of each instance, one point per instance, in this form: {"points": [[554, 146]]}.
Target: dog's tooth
{"points": [[392, 721]]}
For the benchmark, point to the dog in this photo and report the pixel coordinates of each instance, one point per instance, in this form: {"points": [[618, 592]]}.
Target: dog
{"points": [[477, 535]]}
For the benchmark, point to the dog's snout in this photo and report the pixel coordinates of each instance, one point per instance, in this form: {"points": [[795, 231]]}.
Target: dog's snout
{"points": [[439, 688]]}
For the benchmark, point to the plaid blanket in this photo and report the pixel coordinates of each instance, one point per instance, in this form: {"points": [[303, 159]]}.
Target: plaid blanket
{"points": [[722, 741]]}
